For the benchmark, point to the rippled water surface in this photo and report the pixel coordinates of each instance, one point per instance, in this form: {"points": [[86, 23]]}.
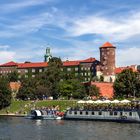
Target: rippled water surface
{"points": [[26, 129]]}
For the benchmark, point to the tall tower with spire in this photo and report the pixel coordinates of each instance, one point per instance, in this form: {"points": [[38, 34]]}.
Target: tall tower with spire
{"points": [[48, 55]]}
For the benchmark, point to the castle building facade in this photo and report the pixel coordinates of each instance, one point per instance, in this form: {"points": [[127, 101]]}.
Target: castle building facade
{"points": [[86, 69]]}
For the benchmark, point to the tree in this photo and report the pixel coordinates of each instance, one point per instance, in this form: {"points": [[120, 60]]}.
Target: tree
{"points": [[72, 88], [101, 78], [93, 90], [5, 93], [41, 92], [52, 76], [27, 89], [127, 84]]}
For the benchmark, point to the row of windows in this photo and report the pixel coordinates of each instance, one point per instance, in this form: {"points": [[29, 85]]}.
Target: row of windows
{"points": [[87, 79], [6, 71], [19, 71], [26, 76], [33, 70], [86, 74], [76, 69], [100, 113]]}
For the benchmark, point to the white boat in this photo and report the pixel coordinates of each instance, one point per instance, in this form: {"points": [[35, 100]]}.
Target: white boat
{"points": [[119, 114], [44, 114]]}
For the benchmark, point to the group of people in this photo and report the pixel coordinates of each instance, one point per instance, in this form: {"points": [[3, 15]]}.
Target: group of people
{"points": [[107, 107]]}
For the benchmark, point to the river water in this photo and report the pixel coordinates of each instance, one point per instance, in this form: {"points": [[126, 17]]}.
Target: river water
{"points": [[12, 128]]}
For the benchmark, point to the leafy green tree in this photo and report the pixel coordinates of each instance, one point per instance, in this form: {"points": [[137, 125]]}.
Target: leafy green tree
{"points": [[5, 93], [127, 84], [52, 76], [93, 90], [72, 88], [41, 92], [101, 78], [27, 89]]}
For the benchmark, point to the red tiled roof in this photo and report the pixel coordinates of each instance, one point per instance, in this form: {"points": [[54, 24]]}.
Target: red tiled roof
{"points": [[106, 89], [9, 64], [91, 59], [77, 62], [32, 65], [70, 63], [120, 69], [106, 45], [45, 64]]}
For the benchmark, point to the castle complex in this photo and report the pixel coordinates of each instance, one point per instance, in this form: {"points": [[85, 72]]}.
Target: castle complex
{"points": [[87, 68]]}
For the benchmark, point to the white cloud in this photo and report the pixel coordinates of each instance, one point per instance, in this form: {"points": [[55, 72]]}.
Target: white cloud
{"points": [[4, 47], [121, 28], [14, 6], [32, 23], [129, 56], [6, 56]]}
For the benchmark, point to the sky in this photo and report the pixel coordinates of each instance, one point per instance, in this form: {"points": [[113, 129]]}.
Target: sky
{"points": [[73, 29]]}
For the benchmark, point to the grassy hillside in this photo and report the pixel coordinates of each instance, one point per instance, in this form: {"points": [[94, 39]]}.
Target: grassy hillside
{"points": [[22, 107]]}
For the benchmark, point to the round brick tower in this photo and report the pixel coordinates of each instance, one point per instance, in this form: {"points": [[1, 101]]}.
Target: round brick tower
{"points": [[107, 59]]}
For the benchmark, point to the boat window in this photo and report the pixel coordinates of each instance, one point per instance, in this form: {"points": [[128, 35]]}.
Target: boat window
{"points": [[75, 112], [92, 113], [70, 112], [111, 113], [86, 112], [130, 113], [115, 113], [121, 113], [81, 112], [100, 113]]}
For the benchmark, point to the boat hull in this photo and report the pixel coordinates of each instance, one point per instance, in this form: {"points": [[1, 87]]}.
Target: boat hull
{"points": [[110, 116]]}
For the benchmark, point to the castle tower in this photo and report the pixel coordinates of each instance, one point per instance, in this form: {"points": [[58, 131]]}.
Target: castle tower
{"points": [[107, 59], [48, 55]]}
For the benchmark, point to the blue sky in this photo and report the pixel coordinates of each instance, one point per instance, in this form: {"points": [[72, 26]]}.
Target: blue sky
{"points": [[74, 29]]}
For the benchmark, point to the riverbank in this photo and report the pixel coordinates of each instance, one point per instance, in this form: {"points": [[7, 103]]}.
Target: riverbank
{"points": [[21, 108], [13, 115]]}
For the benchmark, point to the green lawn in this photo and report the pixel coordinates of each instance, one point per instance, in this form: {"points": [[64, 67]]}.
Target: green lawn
{"points": [[25, 106]]}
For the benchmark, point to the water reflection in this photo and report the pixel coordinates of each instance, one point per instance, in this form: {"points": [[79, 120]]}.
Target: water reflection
{"points": [[26, 129], [38, 122]]}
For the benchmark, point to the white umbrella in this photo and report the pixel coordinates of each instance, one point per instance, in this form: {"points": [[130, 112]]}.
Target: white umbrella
{"points": [[90, 101], [98, 102], [107, 101], [81, 102], [125, 101], [115, 101]]}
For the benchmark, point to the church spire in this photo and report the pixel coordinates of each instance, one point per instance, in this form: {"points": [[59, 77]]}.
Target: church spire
{"points": [[48, 55]]}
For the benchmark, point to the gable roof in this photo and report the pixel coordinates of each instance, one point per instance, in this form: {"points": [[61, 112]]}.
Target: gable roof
{"points": [[107, 45], [77, 62], [71, 63], [89, 60], [45, 64], [32, 65], [120, 69], [9, 64]]}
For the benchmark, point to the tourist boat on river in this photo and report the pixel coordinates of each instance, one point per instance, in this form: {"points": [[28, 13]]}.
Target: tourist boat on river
{"points": [[117, 114], [45, 114]]}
